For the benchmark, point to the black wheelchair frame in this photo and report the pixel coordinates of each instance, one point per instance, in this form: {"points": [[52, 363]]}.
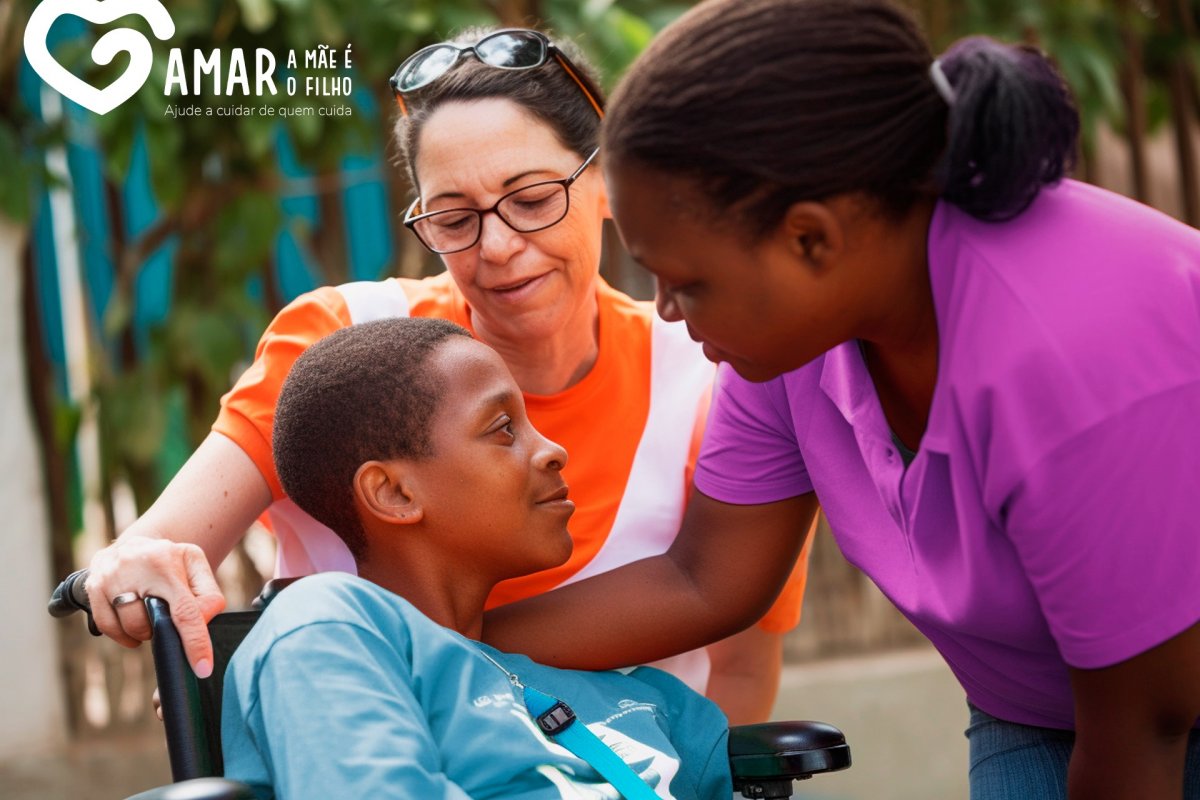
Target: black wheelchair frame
{"points": [[764, 759]]}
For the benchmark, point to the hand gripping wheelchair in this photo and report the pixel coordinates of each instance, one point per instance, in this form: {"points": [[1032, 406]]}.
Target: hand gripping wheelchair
{"points": [[764, 759]]}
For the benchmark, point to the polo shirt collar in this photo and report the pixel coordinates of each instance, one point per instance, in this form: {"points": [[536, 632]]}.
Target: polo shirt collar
{"points": [[845, 381]]}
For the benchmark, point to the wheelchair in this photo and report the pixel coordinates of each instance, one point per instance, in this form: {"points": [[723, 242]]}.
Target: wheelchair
{"points": [[764, 759]]}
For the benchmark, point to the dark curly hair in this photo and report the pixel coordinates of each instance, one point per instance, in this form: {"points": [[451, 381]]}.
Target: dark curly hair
{"points": [[362, 393]]}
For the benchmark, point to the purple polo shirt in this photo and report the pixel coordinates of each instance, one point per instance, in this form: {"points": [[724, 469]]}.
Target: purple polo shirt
{"points": [[1052, 513]]}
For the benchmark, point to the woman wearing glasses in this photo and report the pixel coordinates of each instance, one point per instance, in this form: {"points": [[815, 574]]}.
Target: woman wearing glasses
{"points": [[499, 132], [988, 375]]}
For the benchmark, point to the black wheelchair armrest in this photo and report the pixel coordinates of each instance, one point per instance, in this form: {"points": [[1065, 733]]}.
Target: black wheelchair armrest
{"points": [[199, 789], [766, 758], [271, 590]]}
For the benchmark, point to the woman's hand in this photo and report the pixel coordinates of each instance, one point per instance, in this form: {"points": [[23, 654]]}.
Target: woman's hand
{"points": [[171, 551], [144, 565]]}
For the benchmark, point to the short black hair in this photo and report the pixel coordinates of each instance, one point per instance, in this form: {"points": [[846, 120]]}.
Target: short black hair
{"points": [[362, 393]]}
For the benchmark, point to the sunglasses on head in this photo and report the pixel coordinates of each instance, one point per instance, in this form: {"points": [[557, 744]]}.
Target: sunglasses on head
{"points": [[513, 48]]}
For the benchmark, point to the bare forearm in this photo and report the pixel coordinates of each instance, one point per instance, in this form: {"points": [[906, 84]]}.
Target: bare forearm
{"points": [[1130, 766], [210, 502], [631, 610], [745, 674], [172, 550], [1133, 720], [722, 573]]}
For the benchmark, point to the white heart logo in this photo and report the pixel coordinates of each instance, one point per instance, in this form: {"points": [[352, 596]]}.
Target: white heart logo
{"points": [[101, 101]]}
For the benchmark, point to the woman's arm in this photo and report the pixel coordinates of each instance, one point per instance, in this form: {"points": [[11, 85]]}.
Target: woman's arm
{"points": [[1132, 722], [172, 549], [1104, 526], [720, 575], [745, 674], [747, 666]]}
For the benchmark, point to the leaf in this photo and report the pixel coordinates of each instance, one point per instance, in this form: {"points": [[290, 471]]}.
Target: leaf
{"points": [[134, 416], [17, 178], [246, 231], [595, 9], [165, 152], [257, 14], [66, 419], [203, 341], [118, 314], [1103, 82], [257, 134], [328, 21], [306, 127]]}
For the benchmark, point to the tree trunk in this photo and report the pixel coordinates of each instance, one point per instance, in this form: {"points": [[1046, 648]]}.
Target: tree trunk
{"points": [[1133, 89], [1173, 18], [406, 261], [938, 17], [409, 258], [54, 477], [1185, 149], [329, 237], [33, 719]]}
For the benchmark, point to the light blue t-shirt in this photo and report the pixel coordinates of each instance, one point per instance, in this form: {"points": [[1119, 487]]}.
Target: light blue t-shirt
{"points": [[345, 690]]}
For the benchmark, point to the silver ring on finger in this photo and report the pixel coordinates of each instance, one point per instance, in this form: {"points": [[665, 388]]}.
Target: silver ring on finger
{"points": [[125, 598]]}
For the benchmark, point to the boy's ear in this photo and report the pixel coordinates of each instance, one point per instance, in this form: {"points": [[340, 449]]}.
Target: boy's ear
{"points": [[383, 490], [813, 233]]}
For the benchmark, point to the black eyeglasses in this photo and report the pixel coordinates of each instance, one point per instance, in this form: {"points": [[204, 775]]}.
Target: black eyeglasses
{"points": [[531, 208], [512, 48]]}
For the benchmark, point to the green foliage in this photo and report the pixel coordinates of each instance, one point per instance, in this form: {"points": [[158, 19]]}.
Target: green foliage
{"points": [[135, 418], [216, 178], [1083, 38], [16, 176], [611, 34], [22, 137]]}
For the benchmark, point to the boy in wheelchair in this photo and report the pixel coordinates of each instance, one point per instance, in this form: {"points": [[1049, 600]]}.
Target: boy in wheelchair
{"points": [[410, 440]]}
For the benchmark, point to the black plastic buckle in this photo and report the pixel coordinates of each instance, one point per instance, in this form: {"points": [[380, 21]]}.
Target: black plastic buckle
{"points": [[557, 719]]}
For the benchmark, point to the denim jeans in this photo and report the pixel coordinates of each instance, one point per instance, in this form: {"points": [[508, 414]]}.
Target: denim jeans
{"points": [[1021, 762]]}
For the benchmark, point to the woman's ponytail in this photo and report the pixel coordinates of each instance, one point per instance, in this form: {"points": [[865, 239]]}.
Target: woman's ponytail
{"points": [[765, 103], [1012, 127]]}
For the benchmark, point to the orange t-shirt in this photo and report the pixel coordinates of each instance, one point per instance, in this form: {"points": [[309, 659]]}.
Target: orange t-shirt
{"points": [[631, 426]]}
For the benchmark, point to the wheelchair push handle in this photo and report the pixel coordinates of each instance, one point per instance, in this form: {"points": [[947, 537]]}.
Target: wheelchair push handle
{"points": [[71, 596]]}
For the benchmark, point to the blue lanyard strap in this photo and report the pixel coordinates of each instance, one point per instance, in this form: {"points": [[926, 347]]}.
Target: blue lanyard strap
{"points": [[557, 720]]}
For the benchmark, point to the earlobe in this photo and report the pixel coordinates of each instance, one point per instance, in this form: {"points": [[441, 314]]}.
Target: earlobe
{"points": [[813, 233], [605, 208], [383, 490]]}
